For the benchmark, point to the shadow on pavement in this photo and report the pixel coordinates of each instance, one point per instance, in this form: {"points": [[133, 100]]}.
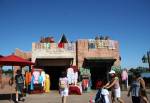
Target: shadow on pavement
{"points": [[8, 96]]}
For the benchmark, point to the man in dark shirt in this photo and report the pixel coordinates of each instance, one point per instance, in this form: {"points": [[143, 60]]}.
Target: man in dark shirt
{"points": [[19, 79]]}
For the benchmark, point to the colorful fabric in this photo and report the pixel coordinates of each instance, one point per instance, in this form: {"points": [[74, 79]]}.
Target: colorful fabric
{"points": [[124, 75], [47, 83], [32, 82], [85, 83], [70, 75], [28, 78], [61, 45], [36, 75], [40, 79], [44, 77]]}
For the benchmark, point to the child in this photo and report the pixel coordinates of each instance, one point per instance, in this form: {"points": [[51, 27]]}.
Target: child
{"points": [[144, 98], [63, 86], [102, 96]]}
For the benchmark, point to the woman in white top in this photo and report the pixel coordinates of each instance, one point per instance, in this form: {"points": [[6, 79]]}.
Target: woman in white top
{"points": [[63, 87], [115, 87]]}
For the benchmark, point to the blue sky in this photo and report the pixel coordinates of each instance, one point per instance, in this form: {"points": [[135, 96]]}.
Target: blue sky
{"points": [[25, 21]]}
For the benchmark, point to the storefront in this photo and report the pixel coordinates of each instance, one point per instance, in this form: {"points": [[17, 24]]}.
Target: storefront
{"points": [[99, 68], [53, 67], [97, 57]]}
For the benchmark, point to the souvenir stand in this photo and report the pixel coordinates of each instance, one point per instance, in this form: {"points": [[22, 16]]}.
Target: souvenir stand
{"points": [[86, 79], [37, 81], [74, 85]]}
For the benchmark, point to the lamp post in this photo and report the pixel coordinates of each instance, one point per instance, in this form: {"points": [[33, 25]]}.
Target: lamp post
{"points": [[146, 58]]}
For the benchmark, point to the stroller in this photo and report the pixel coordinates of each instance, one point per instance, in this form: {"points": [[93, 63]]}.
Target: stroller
{"points": [[102, 96]]}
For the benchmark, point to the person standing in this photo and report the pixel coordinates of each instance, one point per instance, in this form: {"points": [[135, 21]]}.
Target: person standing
{"points": [[136, 86], [63, 86], [19, 79], [115, 87]]}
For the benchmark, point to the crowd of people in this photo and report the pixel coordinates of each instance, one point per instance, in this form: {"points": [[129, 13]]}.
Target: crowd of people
{"points": [[137, 88]]}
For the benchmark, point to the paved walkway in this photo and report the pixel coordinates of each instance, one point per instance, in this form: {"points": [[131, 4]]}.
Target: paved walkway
{"points": [[54, 97]]}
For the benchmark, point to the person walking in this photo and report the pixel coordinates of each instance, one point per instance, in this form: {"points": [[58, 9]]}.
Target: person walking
{"points": [[63, 87], [19, 79], [136, 86], [115, 87]]}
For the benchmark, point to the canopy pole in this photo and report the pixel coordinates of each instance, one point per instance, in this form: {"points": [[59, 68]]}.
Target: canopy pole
{"points": [[1, 76], [11, 80]]}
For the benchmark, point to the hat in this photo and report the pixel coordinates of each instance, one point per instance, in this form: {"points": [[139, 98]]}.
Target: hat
{"points": [[112, 72]]}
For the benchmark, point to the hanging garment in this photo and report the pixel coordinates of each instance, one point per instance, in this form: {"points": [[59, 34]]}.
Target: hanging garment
{"points": [[36, 75], [70, 75], [43, 76], [85, 84], [75, 78], [28, 78], [32, 82], [124, 75], [40, 79], [47, 83]]}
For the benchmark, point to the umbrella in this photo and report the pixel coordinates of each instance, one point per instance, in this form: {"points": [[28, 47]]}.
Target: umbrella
{"points": [[13, 60]]}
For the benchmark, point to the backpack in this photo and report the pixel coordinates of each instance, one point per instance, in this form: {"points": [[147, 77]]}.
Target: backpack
{"points": [[63, 84], [19, 79]]}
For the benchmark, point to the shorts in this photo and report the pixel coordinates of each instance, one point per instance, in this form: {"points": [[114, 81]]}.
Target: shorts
{"points": [[20, 87], [64, 92], [116, 93]]}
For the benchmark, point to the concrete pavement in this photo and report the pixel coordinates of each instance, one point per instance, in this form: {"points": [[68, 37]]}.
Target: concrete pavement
{"points": [[54, 97]]}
